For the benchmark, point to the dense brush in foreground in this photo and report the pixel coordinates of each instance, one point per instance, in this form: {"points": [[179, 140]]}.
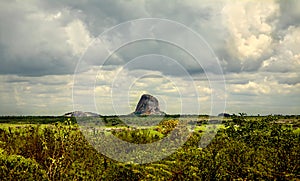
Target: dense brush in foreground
{"points": [[244, 150]]}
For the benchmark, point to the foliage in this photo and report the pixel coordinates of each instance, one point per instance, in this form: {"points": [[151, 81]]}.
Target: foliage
{"points": [[16, 167], [35, 119], [139, 136], [247, 148]]}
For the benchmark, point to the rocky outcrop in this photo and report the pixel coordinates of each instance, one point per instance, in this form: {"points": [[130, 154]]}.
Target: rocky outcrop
{"points": [[148, 105]]}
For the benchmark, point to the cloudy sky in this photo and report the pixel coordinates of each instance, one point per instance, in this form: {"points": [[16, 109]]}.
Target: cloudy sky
{"points": [[100, 55]]}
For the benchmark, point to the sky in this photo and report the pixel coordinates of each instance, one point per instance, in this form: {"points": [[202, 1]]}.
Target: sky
{"points": [[202, 57]]}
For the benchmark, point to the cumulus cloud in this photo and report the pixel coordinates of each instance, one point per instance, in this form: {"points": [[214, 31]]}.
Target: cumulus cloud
{"points": [[78, 37], [250, 25], [287, 55], [41, 43]]}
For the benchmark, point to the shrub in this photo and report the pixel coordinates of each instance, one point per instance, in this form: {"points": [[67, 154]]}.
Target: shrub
{"points": [[16, 167]]}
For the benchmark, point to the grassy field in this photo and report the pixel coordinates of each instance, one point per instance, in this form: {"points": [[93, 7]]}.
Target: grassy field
{"points": [[244, 148]]}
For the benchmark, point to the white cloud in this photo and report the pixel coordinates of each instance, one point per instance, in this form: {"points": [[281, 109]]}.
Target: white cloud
{"points": [[250, 25], [78, 36], [267, 86], [287, 56], [251, 87]]}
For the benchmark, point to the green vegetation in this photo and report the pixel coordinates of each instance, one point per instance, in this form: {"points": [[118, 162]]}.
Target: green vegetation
{"points": [[15, 167], [245, 148], [35, 119]]}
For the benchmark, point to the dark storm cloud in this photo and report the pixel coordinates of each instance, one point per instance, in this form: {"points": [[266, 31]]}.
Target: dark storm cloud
{"points": [[101, 14], [157, 56], [31, 43], [34, 42], [228, 62], [32, 46], [290, 13]]}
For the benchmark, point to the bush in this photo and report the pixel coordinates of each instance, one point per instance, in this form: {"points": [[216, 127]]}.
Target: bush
{"points": [[16, 167]]}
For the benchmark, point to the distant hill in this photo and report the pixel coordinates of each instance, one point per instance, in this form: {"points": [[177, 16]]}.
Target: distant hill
{"points": [[81, 114], [226, 115]]}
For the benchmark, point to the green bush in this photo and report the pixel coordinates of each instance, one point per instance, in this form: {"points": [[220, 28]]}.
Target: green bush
{"points": [[139, 136], [16, 167]]}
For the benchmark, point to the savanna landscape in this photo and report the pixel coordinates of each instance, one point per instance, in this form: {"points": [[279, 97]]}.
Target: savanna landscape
{"points": [[149, 90]]}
